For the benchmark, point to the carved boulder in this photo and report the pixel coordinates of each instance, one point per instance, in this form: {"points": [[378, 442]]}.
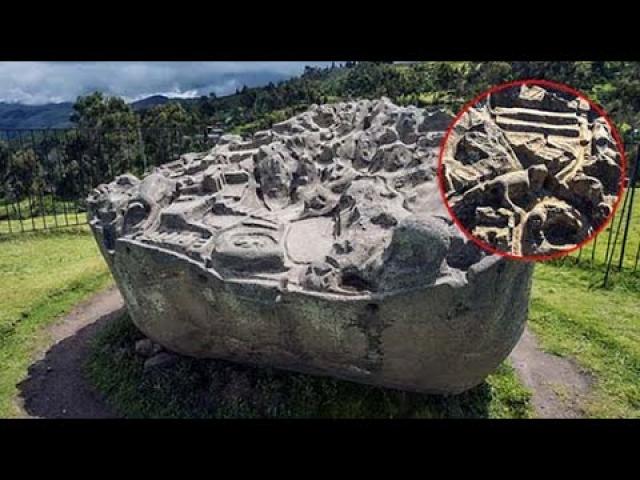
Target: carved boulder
{"points": [[321, 246]]}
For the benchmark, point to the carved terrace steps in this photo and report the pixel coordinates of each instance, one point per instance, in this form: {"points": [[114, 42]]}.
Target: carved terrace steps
{"points": [[526, 126]]}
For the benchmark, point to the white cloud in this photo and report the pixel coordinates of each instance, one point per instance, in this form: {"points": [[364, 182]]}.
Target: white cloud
{"points": [[53, 82]]}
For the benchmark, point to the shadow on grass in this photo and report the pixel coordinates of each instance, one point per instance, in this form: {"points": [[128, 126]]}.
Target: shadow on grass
{"points": [[102, 357]]}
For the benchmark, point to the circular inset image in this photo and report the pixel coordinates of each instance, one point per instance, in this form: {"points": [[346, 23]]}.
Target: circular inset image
{"points": [[531, 170]]}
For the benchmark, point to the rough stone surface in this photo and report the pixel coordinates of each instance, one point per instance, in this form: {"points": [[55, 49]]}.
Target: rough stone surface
{"points": [[321, 246], [146, 348], [531, 170], [160, 360]]}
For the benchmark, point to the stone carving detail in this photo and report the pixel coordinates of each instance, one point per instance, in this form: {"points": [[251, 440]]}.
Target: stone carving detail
{"points": [[320, 245], [532, 171]]}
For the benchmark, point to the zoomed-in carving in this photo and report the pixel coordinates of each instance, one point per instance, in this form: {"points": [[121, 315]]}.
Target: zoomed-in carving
{"points": [[321, 245], [531, 170]]}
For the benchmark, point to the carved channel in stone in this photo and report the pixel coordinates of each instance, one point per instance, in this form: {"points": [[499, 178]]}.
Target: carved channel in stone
{"points": [[532, 171]]}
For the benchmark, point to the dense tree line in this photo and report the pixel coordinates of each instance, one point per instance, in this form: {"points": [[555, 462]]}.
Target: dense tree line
{"points": [[112, 137], [615, 85], [109, 139]]}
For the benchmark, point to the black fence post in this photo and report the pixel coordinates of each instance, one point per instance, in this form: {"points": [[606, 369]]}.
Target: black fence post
{"points": [[60, 176], [53, 166], [5, 189], [609, 259], [633, 178], [29, 188], [80, 170]]}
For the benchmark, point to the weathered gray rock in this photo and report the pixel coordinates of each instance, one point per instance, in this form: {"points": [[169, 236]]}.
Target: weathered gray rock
{"points": [[146, 348], [320, 246], [159, 360]]}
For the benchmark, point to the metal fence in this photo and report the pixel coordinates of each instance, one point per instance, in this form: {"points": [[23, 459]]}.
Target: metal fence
{"points": [[46, 174], [617, 248]]}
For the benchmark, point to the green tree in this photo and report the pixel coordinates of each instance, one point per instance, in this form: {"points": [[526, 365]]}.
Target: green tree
{"points": [[168, 131], [108, 136], [25, 173]]}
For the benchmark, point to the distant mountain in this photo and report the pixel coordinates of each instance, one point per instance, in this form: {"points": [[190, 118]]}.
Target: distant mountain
{"points": [[55, 115], [52, 115], [149, 102]]}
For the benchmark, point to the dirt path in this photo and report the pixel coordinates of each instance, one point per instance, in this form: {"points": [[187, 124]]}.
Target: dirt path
{"points": [[558, 387], [56, 386]]}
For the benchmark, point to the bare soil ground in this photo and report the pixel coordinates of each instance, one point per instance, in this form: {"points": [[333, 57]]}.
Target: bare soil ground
{"points": [[558, 386], [56, 386]]}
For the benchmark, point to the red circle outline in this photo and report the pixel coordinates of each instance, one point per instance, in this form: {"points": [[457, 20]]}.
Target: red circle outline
{"points": [[557, 86]]}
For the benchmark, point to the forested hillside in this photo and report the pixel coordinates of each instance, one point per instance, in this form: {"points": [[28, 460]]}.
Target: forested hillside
{"points": [[115, 136], [615, 85], [14, 115]]}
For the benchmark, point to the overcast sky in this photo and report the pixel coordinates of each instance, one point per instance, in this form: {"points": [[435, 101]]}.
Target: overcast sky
{"points": [[54, 82]]}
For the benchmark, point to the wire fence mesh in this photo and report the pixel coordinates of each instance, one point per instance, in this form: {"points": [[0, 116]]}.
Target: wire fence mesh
{"points": [[46, 174], [617, 247]]}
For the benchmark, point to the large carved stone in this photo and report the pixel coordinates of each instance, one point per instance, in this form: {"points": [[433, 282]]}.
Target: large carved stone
{"points": [[321, 246]]}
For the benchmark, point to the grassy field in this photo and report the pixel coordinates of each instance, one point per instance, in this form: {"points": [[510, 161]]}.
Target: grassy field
{"points": [[571, 315], [42, 275], [598, 249], [37, 205], [599, 328], [39, 213], [42, 223]]}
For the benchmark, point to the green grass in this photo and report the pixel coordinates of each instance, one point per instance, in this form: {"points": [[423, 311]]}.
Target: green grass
{"points": [[37, 205], [42, 275], [42, 223], [193, 388], [599, 328], [598, 248], [39, 213]]}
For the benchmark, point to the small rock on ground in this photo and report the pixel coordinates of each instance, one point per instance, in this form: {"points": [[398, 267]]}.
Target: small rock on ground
{"points": [[147, 348], [162, 359]]}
